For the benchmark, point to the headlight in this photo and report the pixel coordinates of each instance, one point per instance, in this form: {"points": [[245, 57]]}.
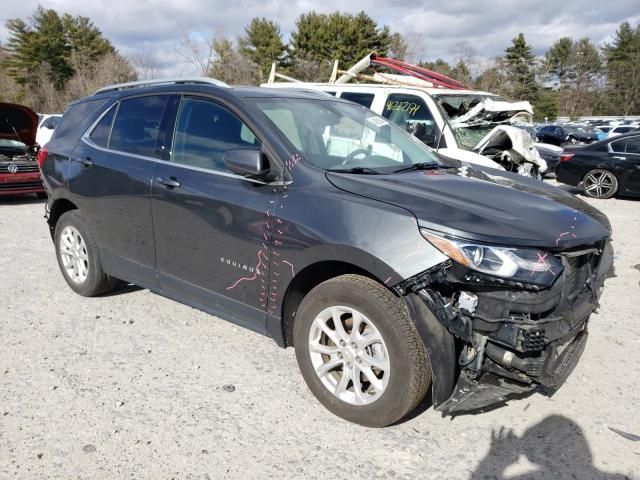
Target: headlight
{"points": [[518, 264]]}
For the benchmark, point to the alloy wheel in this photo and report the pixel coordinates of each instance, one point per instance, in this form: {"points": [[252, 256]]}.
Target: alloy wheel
{"points": [[600, 184], [349, 355], [73, 251]]}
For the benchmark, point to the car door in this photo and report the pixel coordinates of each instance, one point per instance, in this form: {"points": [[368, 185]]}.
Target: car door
{"points": [[625, 155], [110, 177], [212, 226]]}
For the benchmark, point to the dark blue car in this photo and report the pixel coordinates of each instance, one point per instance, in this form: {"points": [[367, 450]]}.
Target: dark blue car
{"points": [[320, 224]]}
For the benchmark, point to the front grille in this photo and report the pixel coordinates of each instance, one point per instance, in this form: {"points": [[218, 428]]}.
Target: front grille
{"points": [[22, 168], [20, 186]]}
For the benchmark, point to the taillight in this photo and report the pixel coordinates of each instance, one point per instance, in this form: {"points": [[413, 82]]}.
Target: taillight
{"points": [[42, 156], [565, 157]]}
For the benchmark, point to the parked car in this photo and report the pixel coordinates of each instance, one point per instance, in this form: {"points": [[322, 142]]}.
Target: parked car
{"points": [[465, 125], [562, 135], [603, 169], [314, 221], [621, 130], [19, 172], [47, 124], [551, 154], [602, 133]]}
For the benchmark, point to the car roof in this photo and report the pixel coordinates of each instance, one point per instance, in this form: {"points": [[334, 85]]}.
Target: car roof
{"points": [[222, 91], [634, 133]]}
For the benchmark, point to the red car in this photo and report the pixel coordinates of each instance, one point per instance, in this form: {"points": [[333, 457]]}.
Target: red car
{"points": [[19, 172]]}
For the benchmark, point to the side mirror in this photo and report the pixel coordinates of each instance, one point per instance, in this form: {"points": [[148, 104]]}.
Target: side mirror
{"points": [[249, 162]]}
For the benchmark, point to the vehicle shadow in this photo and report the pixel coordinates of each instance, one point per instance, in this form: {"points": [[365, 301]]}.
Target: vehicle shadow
{"points": [[554, 448], [121, 289], [21, 199]]}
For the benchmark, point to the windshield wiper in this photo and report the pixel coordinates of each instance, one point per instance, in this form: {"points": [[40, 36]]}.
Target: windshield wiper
{"points": [[356, 170], [418, 166]]}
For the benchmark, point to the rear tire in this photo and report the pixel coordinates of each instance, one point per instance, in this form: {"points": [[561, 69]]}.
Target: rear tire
{"points": [[599, 183], [385, 356], [79, 257]]}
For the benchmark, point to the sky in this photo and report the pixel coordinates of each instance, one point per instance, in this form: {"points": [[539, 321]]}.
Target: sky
{"points": [[151, 29]]}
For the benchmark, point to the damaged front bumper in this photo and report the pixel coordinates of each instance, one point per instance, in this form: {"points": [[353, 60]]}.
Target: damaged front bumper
{"points": [[512, 340]]}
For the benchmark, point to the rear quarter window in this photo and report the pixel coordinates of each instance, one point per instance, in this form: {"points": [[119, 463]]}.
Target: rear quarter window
{"points": [[75, 121], [102, 131]]}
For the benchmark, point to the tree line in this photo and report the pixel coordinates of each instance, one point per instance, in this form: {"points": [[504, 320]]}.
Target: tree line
{"points": [[51, 59]]}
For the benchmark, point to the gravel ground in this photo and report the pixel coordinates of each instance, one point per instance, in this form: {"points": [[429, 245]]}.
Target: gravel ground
{"points": [[136, 385]]}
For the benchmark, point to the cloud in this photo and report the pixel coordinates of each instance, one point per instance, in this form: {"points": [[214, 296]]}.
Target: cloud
{"points": [[151, 27]]}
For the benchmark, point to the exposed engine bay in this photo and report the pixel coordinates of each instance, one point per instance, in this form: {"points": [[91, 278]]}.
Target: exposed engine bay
{"points": [[513, 338]]}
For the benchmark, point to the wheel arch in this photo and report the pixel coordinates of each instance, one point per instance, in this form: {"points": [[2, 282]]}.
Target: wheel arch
{"points": [[439, 343], [303, 282], [59, 207]]}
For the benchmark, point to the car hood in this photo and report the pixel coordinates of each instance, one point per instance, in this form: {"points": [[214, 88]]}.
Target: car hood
{"points": [[485, 205], [18, 122]]}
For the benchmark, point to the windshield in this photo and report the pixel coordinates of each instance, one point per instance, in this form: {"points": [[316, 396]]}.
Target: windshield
{"points": [[468, 137], [341, 136], [575, 130], [455, 106]]}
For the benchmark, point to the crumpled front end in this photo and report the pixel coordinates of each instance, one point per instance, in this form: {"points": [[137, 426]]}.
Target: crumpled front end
{"points": [[514, 147], [513, 338]]}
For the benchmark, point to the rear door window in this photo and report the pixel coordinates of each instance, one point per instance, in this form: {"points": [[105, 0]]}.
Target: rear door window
{"points": [[136, 126], [364, 99], [411, 113], [626, 145]]}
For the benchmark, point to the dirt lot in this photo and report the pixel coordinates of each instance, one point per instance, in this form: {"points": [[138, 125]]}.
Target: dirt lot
{"points": [[132, 384]]}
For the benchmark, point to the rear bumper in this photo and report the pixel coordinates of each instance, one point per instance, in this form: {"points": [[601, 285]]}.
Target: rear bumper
{"points": [[568, 173], [19, 183]]}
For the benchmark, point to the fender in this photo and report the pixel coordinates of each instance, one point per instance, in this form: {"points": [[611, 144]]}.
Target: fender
{"points": [[440, 347]]}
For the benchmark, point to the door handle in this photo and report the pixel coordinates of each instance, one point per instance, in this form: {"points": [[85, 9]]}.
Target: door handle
{"points": [[618, 157], [86, 162], [170, 182]]}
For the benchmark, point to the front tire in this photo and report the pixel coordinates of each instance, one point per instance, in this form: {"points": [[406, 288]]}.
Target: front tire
{"points": [[599, 183], [79, 257], [359, 352]]}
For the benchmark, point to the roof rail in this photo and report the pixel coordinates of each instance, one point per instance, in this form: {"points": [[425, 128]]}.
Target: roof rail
{"points": [[162, 81]]}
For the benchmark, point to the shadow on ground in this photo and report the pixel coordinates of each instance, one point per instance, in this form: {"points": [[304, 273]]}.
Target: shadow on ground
{"points": [[555, 448], [21, 199]]}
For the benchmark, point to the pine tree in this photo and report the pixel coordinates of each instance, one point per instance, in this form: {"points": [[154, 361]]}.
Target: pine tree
{"points": [[521, 62], [558, 59], [623, 70], [48, 42], [338, 36], [263, 45]]}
